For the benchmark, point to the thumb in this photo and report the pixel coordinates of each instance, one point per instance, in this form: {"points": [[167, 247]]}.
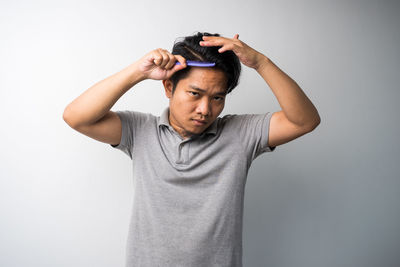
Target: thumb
{"points": [[175, 69]]}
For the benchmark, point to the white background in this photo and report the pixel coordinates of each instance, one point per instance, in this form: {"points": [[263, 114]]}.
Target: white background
{"points": [[329, 198]]}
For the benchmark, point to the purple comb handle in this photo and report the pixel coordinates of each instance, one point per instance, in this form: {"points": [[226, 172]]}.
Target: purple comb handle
{"points": [[197, 63]]}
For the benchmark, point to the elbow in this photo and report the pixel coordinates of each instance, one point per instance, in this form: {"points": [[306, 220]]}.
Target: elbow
{"points": [[67, 117], [314, 124]]}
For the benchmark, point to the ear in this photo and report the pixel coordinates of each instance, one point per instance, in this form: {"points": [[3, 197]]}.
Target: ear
{"points": [[168, 87]]}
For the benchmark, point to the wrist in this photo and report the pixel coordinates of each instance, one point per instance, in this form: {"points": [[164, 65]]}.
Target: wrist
{"points": [[135, 74], [262, 62]]}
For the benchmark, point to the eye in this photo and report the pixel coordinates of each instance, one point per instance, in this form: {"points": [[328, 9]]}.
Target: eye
{"points": [[219, 98], [193, 92]]}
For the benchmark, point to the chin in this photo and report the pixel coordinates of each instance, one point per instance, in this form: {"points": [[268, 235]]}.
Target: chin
{"points": [[197, 130]]}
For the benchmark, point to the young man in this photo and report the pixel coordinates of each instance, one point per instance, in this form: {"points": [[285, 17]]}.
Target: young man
{"points": [[189, 165]]}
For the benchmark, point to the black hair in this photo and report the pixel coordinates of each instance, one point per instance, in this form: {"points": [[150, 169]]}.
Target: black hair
{"points": [[189, 48]]}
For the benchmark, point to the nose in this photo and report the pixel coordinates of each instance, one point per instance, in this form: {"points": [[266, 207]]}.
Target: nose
{"points": [[204, 107]]}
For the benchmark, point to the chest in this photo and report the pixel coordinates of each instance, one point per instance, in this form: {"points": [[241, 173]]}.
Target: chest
{"points": [[211, 152]]}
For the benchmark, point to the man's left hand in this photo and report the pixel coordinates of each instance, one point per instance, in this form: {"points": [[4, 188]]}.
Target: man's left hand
{"points": [[247, 55]]}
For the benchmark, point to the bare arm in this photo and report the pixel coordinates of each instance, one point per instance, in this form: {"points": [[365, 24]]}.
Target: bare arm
{"points": [[295, 104], [298, 115], [90, 113], [94, 104]]}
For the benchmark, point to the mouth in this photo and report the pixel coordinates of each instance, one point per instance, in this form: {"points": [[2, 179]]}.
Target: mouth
{"points": [[199, 122]]}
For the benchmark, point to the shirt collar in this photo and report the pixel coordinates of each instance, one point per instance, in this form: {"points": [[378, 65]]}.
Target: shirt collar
{"points": [[212, 129]]}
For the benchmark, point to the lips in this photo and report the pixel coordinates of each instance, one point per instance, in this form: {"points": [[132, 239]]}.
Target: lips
{"points": [[200, 121]]}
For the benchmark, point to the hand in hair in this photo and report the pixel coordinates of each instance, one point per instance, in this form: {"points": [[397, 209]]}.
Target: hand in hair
{"points": [[159, 64], [247, 55]]}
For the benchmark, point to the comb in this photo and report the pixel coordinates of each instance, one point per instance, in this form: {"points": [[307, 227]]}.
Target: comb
{"points": [[197, 63]]}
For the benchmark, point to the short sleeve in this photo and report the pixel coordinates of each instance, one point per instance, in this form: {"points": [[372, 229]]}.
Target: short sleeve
{"points": [[253, 132], [132, 123]]}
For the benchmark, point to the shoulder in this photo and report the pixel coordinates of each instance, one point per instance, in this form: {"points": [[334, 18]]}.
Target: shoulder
{"points": [[133, 114], [232, 122], [242, 119], [136, 119]]}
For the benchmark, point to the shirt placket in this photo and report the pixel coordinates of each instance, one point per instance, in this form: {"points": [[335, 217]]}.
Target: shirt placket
{"points": [[183, 152]]}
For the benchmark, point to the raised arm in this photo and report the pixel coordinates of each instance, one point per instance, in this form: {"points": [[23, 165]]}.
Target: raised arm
{"points": [[90, 112], [94, 103], [298, 115]]}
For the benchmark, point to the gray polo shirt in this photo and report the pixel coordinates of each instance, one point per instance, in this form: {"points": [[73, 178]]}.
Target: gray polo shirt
{"points": [[188, 194]]}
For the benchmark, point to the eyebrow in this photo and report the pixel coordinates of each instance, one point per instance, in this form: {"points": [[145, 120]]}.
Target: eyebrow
{"points": [[204, 91]]}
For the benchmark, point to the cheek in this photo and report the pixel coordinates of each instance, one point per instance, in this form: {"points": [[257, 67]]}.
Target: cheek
{"points": [[219, 107], [179, 102], [187, 105], [185, 108]]}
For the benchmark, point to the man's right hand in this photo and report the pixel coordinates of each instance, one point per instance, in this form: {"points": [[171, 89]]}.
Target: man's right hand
{"points": [[159, 64]]}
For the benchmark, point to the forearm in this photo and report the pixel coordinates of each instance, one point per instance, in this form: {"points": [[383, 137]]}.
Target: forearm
{"points": [[96, 101], [294, 103]]}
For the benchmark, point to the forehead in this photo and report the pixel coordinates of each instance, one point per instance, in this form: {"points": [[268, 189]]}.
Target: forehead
{"points": [[205, 78]]}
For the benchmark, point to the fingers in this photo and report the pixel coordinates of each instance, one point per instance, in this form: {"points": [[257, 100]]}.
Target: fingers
{"points": [[166, 60], [161, 57], [181, 59], [214, 41], [171, 61], [217, 40], [225, 43]]}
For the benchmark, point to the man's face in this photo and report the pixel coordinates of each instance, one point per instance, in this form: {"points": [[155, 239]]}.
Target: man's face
{"points": [[200, 96]]}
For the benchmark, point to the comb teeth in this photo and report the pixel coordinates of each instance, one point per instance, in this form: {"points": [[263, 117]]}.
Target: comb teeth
{"points": [[197, 63]]}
